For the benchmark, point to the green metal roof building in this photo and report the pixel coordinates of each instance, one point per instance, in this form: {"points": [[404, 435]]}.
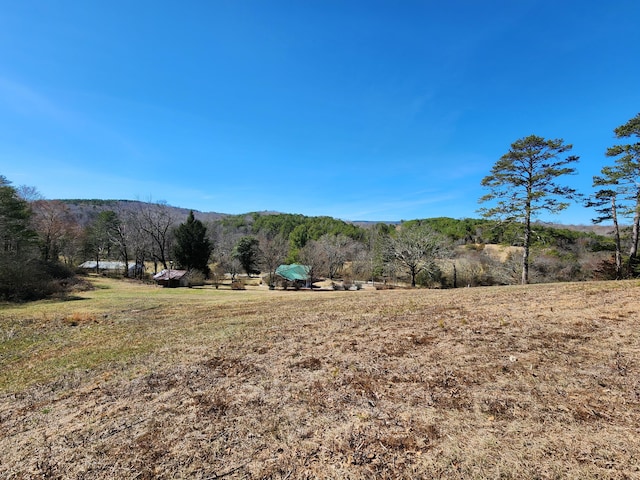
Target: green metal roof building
{"points": [[294, 272]]}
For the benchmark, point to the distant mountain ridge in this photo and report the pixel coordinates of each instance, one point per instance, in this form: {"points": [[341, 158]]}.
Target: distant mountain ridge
{"points": [[86, 209]]}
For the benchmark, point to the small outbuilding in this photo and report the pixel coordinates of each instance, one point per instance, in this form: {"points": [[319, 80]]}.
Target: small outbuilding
{"points": [[295, 273], [172, 278], [105, 266]]}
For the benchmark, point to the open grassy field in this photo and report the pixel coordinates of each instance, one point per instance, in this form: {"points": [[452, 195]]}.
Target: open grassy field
{"points": [[134, 381]]}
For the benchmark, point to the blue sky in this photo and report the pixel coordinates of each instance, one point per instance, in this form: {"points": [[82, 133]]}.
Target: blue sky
{"points": [[361, 110]]}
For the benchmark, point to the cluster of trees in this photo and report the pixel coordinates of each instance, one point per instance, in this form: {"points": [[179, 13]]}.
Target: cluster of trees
{"points": [[40, 236], [618, 194], [425, 252], [27, 268], [437, 251], [525, 181]]}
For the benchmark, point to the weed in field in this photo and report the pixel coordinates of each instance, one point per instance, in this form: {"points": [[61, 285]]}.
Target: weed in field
{"points": [[213, 404], [79, 318], [311, 363]]}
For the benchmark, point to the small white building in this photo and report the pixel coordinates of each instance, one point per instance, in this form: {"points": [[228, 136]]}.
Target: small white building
{"points": [[109, 267]]}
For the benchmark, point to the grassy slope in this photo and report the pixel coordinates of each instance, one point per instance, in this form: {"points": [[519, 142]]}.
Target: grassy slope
{"points": [[132, 381]]}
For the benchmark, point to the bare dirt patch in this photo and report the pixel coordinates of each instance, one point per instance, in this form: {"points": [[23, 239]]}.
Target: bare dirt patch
{"points": [[536, 382]]}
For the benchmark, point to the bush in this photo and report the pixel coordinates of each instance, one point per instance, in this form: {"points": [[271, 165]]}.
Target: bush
{"points": [[550, 267], [195, 278], [217, 275], [238, 285], [23, 280], [431, 278], [57, 270]]}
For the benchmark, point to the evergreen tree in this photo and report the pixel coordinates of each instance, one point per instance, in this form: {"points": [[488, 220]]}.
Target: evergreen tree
{"points": [[626, 175], [192, 248], [605, 203], [15, 232], [24, 276], [247, 252], [523, 181]]}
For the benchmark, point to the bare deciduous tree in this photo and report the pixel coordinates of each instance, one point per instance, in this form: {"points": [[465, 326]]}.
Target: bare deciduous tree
{"points": [[313, 257], [156, 221], [416, 247], [54, 224], [273, 251], [336, 250]]}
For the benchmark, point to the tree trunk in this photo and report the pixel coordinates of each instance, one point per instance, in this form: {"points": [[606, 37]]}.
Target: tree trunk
{"points": [[616, 233], [125, 254], [633, 252], [46, 249], [455, 275], [527, 240]]}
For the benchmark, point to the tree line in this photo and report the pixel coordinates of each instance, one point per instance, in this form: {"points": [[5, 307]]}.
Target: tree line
{"points": [[44, 239]]}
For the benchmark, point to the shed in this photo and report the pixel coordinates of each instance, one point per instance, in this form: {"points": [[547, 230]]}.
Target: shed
{"points": [[295, 273], [172, 278], [109, 266]]}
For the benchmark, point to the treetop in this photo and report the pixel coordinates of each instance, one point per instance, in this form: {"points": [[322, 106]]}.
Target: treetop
{"points": [[632, 127]]}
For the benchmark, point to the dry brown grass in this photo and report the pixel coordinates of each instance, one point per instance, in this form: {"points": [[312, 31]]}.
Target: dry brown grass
{"points": [[136, 382]]}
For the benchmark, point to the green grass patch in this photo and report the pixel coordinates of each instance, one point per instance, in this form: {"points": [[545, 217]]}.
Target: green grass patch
{"points": [[109, 327]]}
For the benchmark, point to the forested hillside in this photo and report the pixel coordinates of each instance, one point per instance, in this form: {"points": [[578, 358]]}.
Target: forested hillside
{"points": [[440, 252], [55, 236]]}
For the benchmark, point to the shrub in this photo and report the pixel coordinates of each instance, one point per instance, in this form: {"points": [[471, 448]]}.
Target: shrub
{"points": [[23, 280], [195, 278], [550, 267], [217, 275], [431, 277], [57, 270]]}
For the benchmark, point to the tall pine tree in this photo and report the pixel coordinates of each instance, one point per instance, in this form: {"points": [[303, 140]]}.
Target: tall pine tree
{"points": [[523, 183], [626, 177], [16, 234], [605, 203]]}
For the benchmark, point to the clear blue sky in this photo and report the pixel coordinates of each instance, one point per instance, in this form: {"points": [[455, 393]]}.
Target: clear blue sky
{"points": [[361, 110]]}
